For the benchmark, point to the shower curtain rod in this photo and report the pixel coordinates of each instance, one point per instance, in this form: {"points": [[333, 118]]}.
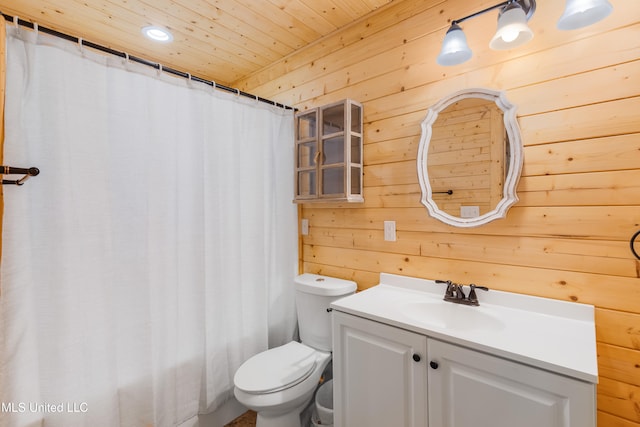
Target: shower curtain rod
{"points": [[143, 61]]}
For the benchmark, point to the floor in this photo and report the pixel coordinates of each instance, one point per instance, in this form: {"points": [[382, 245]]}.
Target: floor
{"points": [[248, 419]]}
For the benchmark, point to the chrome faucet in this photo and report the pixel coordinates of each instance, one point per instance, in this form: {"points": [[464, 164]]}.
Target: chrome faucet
{"points": [[455, 293]]}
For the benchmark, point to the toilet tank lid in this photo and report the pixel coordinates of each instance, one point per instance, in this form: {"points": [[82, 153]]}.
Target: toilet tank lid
{"points": [[324, 285]]}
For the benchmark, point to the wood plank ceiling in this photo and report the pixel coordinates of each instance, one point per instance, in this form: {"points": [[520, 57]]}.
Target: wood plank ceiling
{"points": [[220, 40]]}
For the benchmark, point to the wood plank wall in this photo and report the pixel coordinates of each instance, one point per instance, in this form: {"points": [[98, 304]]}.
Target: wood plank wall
{"points": [[578, 98]]}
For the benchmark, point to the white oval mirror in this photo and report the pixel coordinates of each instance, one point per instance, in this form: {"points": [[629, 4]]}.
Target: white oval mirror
{"points": [[470, 157]]}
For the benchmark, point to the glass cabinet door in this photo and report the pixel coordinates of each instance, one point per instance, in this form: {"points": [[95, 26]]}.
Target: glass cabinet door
{"points": [[306, 154], [332, 161]]}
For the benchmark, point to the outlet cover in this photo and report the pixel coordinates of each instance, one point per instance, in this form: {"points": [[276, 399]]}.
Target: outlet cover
{"points": [[469, 211], [304, 227]]}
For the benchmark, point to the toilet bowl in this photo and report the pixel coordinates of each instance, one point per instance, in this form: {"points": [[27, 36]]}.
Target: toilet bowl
{"points": [[279, 383]]}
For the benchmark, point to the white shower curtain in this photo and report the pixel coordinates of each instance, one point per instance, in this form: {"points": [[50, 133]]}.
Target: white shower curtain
{"points": [[154, 253]]}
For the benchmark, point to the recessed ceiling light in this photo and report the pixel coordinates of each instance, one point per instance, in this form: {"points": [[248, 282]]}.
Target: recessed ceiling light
{"points": [[158, 34]]}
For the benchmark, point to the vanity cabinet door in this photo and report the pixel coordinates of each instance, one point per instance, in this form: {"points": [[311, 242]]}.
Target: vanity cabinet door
{"points": [[380, 374], [472, 389]]}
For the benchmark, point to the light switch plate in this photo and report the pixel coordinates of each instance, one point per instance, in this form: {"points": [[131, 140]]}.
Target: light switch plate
{"points": [[390, 231], [304, 227]]}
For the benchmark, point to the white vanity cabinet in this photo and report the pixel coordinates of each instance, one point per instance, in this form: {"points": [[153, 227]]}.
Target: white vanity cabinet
{"points": [[387, 376], [404, 357]]}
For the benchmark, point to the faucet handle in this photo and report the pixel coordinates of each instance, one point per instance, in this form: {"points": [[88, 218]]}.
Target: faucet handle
{"points": [[450, 287], [472, 293]]}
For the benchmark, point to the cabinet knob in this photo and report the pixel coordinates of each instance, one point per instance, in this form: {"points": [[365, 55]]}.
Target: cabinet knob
{"points": [[433, 364], [416, 357]]}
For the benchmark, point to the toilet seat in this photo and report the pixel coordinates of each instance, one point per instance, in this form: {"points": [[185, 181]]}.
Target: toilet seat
{"points": [[276, 369]]}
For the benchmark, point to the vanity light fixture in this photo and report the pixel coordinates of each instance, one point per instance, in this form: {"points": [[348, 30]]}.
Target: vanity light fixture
{"points": [[158, 34], [513, 30]]}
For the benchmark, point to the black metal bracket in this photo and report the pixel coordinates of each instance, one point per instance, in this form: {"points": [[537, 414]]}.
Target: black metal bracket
{"points": [[528, 6], [632, 243], [9, 170]]}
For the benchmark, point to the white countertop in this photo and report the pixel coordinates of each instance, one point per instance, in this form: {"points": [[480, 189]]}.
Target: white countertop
{"points": [[557, 336]]}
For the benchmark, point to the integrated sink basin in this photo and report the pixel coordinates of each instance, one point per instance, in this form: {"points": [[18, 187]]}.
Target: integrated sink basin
{"points": [[447, 315]]}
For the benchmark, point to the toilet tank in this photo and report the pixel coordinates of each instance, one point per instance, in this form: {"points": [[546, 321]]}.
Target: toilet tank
{"points": [[314, 293]]}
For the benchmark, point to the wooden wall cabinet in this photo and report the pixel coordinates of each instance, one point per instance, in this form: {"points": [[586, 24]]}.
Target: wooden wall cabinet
{"points": [[329, 153]]}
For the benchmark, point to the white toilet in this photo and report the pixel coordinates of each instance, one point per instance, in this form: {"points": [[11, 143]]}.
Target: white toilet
{"points": [[279, 383]]}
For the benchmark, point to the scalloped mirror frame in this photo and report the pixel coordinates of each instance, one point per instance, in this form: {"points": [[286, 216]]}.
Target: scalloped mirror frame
{"points": [[515, 162]]}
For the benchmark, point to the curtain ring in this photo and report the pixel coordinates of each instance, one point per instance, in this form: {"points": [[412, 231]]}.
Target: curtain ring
{"points": [[631, 243], [16, 21]]}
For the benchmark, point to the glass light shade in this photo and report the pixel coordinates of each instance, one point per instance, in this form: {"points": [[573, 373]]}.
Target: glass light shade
{"points": [[512, 29], [580, 13], [455, 49]]}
